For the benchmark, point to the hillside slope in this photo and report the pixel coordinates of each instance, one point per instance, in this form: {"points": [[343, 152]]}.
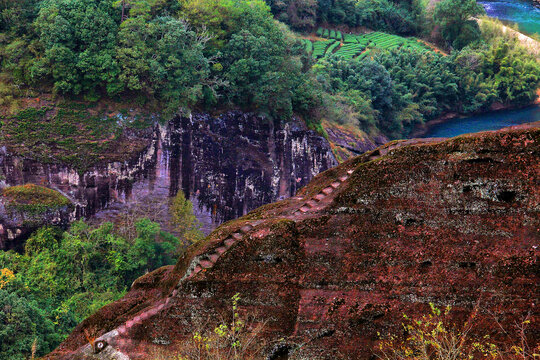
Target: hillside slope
{"points": [[452, 222]]}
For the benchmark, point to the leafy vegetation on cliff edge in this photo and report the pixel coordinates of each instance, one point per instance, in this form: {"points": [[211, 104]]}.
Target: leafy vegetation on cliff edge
{"points": [[66, 134]]}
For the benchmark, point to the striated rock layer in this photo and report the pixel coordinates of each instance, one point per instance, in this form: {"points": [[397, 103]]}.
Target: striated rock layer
{"points": [[227, 165], [455, 222]]}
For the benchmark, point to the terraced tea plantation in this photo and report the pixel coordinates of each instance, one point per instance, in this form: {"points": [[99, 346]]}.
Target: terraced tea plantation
{"points": [[350, 45]]}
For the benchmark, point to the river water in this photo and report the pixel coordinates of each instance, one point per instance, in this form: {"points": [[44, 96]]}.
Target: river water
{"points": [[522, 13], [489, 121], [527, 17]]}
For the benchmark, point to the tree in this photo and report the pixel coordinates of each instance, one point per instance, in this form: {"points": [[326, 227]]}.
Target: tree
{"points": [[514, 71], [64, 278], [16, 16], [455, 18], [79, 39], [164, 59], [21, 324], [184, 220], [302, 14]]}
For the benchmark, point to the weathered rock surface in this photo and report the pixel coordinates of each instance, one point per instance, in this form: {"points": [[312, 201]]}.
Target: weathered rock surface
{"points": [[227, 165], [452, 222], [348, 140]]}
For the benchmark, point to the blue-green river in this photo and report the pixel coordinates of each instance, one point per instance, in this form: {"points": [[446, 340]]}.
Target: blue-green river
{"points": [[522, 13], [488, 121]]}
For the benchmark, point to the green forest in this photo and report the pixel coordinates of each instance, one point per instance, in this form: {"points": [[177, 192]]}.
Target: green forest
{"points": [[313, 59], [174, 56], [62, 277]]}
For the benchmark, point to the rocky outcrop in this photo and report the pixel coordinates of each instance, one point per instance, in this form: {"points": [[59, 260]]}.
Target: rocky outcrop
{"points": [[227, 165], [26, 208], [348, 140], [454, 222]]}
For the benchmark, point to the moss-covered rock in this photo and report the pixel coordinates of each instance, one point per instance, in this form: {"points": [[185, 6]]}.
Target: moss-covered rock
{"points": [[24, 208], [33, 199]]}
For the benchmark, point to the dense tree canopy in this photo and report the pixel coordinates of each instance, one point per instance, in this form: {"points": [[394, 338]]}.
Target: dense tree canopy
{"points": [[456, 19], [382, 15], [404, 88], [64, 277], [179, 55], [79, 40]]}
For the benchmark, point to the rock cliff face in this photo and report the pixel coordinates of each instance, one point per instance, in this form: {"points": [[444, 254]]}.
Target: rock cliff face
{"points": [[452, 222], [227, 165]]}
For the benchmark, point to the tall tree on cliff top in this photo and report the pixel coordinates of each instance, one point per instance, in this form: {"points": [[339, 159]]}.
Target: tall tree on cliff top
{"points": [[79, 38], [455, 18]]}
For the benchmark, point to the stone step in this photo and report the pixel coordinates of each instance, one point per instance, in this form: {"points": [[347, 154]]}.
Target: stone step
{"points": [[221, 250], [246, 228], [237, 236], [229, 241], [350, 171], [197, 269], [206, 264], [213, 257], [335, 184], [311, 203], [343, 178], [304, 209], [124, 342], [327, 190], [319, 197]]}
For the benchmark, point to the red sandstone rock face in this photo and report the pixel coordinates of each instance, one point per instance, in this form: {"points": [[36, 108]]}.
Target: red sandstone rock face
{"points": [[451, 222]]}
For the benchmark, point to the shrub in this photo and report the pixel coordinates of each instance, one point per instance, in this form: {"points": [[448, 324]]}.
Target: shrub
{"points": [[331, 48], [234, 339], [435, 337]]}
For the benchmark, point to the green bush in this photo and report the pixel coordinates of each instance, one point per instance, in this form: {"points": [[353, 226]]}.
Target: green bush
{"points": [[436, 337], [331, 48]]}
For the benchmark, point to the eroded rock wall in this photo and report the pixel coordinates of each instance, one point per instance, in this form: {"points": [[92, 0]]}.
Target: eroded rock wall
{"points": [[227, 165]]}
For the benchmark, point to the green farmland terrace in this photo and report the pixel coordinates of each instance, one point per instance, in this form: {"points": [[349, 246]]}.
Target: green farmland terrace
{"points": [[349, 46]]}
